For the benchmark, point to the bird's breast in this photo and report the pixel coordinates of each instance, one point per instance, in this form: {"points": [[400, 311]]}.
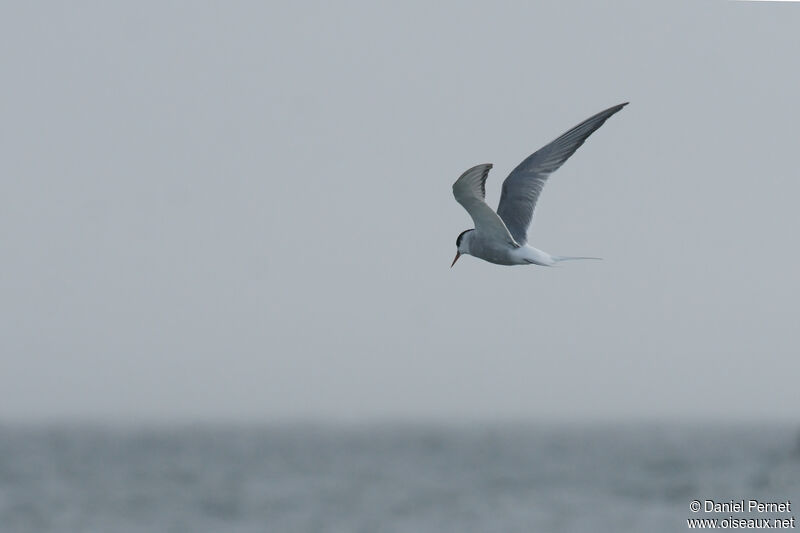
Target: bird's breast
{"points": [[496, 252]]}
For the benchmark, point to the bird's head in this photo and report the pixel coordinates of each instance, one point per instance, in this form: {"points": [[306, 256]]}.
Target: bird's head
{"points": [[462, 244]]}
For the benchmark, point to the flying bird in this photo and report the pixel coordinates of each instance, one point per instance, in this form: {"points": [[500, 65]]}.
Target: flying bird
{"points": [[502, 237]]}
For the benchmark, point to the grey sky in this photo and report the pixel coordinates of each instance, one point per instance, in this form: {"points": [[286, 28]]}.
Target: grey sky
{"points": [[244, 211]]}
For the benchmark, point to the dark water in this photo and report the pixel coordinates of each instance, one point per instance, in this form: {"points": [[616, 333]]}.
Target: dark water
{"points": [[382, 478]]}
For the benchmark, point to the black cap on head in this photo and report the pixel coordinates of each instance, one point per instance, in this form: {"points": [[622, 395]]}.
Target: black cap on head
{"points": [[461, 236]]}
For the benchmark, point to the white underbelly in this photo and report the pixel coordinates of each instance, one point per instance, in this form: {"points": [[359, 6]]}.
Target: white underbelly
{"points": [[505, 255]]}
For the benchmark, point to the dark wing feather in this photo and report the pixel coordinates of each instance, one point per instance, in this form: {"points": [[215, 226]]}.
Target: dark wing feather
{"points": [[522, 187]]}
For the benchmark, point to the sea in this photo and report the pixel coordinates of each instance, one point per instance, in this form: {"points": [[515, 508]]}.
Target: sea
{"points": [[390, 477]]}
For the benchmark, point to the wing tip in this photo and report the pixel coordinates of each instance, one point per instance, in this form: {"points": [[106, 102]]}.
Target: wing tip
{"points": [[605, 114], [483, 167]]}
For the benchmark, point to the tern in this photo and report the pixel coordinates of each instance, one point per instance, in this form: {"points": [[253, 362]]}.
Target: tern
{"points": [[502, 237]]}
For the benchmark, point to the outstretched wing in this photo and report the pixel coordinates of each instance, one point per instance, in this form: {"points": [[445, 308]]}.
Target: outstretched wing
{"points": [[470, 191], [522, 187]]}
